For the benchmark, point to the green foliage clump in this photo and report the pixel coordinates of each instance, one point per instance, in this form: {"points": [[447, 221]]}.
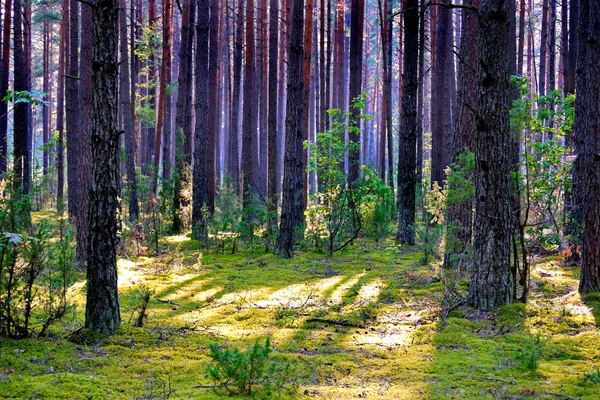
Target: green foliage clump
{"points": [[377, 205], [333, 217], [250, 372], [529, 356]]}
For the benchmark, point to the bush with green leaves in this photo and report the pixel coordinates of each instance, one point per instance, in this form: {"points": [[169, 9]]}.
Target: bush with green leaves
{"points": [[251, 372], [543, 175], [35, 268], [376, 204], [222, 229], [334, 218]]}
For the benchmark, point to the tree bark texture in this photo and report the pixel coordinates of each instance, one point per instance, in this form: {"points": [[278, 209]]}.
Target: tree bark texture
{"points": [[102, 307], [491, 282]]}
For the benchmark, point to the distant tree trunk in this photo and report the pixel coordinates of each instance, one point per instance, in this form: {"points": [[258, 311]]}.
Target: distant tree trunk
{"points": [[552, 48], [163, 138], [72, 115], [491, 283], [355, 88], [233, 147], [586, 170], [459, 231], [409, 127], [20, 117], [149, 138], [127, 112], [308, 38], [60, 106], [249, 114], [273, 155], [564, 41], [440, 97], [521, 45], [183, 119], [262, 80], [213, 103], [543, 49], [571, 58], [292, 209], [420, 97], [84, 170], [46, 113], [162, 93], [200, 199], [4, 72], [102, 307]]}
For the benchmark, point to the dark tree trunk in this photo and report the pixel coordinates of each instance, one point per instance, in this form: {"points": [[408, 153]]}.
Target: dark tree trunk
{"points": [[165, 74], [249, 139], [4, 72], [355, 88], [183, 119], [543, 49], [459, 230], [72, 116], [273, 155], [84, 170], [408, 128], [201, 159], [20, 114], [213, 103], [308, 38], [521, 45], [552, 48], [420, 96], [46, 109], [127, 112], [440, 96], [491, 283], [233, 147], [262, 79], [102, 308], [586, 171], [571, 58], [148, 139], [60, 106], [292, 209]]}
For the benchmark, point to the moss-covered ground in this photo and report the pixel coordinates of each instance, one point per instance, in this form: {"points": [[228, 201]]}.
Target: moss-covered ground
{"points": [[357, 325]]}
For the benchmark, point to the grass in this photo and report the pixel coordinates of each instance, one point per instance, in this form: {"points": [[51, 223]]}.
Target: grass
{"points": [[358, 325]]}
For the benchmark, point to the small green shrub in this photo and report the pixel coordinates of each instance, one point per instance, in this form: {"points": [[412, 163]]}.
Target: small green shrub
{"points": [[251, 372], [529, 356]]}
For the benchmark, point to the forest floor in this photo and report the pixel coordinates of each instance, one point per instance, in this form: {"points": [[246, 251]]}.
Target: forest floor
{"points": [[357, 325]]}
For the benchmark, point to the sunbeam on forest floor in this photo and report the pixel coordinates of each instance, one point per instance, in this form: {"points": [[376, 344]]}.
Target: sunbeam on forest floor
{"points": [[358, 325]]}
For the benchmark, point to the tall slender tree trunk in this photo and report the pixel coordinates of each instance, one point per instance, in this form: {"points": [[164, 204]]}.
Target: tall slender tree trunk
{"points": [[72, 115], [355, 88], [165, 71], [200, 202], [586, 170], [84, 170], [292, 209], [102, 312], [4, 72], [440, 95], [60, 106], [213, 103], [543, 49], [308, 38], [183, 119], [409, 127], [459, 223], [20, 114], [249, 139], [233, 147], [46, 88], [272, 111], [491, 283], [127, 112], [262, 82]]}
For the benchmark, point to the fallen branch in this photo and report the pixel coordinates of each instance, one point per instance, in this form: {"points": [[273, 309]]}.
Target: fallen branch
{"points": [[335, 322], [169, 302]]}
